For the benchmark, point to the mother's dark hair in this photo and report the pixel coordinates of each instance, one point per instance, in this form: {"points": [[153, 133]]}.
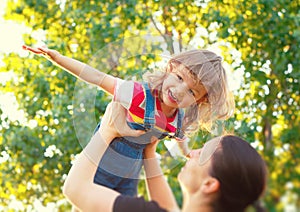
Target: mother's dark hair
{"points": [[241, 172]]}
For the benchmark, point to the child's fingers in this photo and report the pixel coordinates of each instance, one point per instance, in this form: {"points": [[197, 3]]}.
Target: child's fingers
{"points": [[24, 47], [194, 152], [34, 50], [47, 53], [181, 140], [44, 50]]}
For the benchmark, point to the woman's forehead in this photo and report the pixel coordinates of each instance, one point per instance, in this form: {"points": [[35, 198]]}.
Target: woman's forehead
{"points": [[213, 142], [209, 149]]}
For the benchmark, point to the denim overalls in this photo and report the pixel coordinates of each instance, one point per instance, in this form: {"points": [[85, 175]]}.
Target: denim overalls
{"points": [[120, 166]]}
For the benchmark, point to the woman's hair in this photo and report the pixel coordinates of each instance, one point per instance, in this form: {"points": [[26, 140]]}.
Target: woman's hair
{"points": [[206, 68], [241, 172]]}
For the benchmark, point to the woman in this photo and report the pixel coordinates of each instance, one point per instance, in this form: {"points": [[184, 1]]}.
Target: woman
{"points": [[227, 174]]}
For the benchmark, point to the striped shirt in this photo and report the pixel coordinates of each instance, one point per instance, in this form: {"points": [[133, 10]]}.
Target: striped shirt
{"points": [[131, 95]]}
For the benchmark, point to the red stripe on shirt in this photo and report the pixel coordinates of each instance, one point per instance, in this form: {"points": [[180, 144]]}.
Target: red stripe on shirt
{"points": [[137, 108]]}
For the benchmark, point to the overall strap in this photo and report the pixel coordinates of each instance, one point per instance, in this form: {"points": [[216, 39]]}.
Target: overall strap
{"points": [[149, 117], [179, 133]]}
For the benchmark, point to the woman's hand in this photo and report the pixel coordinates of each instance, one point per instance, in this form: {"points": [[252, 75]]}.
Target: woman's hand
{"points": [[114, 122], [50, 54], [150, 149]]}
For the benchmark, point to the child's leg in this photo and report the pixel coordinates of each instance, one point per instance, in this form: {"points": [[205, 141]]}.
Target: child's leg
{"points": [[121, 161], [128, 187], [106, 178]]}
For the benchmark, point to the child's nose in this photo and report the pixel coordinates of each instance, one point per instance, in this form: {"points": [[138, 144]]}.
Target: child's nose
{"points": [[182, 89]]}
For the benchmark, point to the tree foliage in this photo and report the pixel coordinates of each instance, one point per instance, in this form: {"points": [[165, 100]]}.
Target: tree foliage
{"points": [[266, 33], [260, 39]]}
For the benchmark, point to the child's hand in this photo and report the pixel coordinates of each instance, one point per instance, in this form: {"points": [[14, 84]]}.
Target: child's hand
{"points": [[48, 53], [180, 140], [194, 152], [183, 146]]}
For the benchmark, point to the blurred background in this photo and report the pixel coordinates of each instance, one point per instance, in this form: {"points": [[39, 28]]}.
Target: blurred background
{"points": [[259, 41]]}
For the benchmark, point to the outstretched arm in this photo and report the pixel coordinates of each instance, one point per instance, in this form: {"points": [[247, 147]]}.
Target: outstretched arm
{"points": [[79, 187], [77, 68], [157, 186]]}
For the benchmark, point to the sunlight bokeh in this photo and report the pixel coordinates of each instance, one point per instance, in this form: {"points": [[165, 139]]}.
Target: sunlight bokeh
{"points": [[11, 40], [38, 100], [11, 36]]}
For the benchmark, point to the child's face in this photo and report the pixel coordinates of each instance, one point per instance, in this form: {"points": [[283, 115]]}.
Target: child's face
{"points": [[180, 90]]}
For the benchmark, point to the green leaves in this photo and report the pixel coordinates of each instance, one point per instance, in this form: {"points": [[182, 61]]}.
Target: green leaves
{"points": [[108, 36]]}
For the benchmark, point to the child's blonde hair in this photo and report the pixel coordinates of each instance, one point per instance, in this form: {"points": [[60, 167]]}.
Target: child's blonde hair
{"points": [[206, 68]]}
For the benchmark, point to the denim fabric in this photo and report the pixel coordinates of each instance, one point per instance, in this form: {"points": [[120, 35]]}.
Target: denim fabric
{"points": [[121, 163], [179, 133], [149, 117], [120, 166]]}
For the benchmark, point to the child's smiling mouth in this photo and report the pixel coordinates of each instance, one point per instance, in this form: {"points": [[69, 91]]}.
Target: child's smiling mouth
{"points": [[172, 98]]}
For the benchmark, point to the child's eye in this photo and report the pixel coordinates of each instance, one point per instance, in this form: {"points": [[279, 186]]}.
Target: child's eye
{"points": [[179, 77], [191, 92]]}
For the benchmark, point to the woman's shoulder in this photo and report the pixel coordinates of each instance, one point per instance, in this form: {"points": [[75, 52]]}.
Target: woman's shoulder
{"points": [[127, 203]]}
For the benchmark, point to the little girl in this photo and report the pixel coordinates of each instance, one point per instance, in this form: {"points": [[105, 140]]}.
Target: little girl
{"points": [[194, 81]]}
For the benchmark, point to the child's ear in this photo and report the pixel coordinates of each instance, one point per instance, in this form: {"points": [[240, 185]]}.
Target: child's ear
{"points": [[210, 185]]}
